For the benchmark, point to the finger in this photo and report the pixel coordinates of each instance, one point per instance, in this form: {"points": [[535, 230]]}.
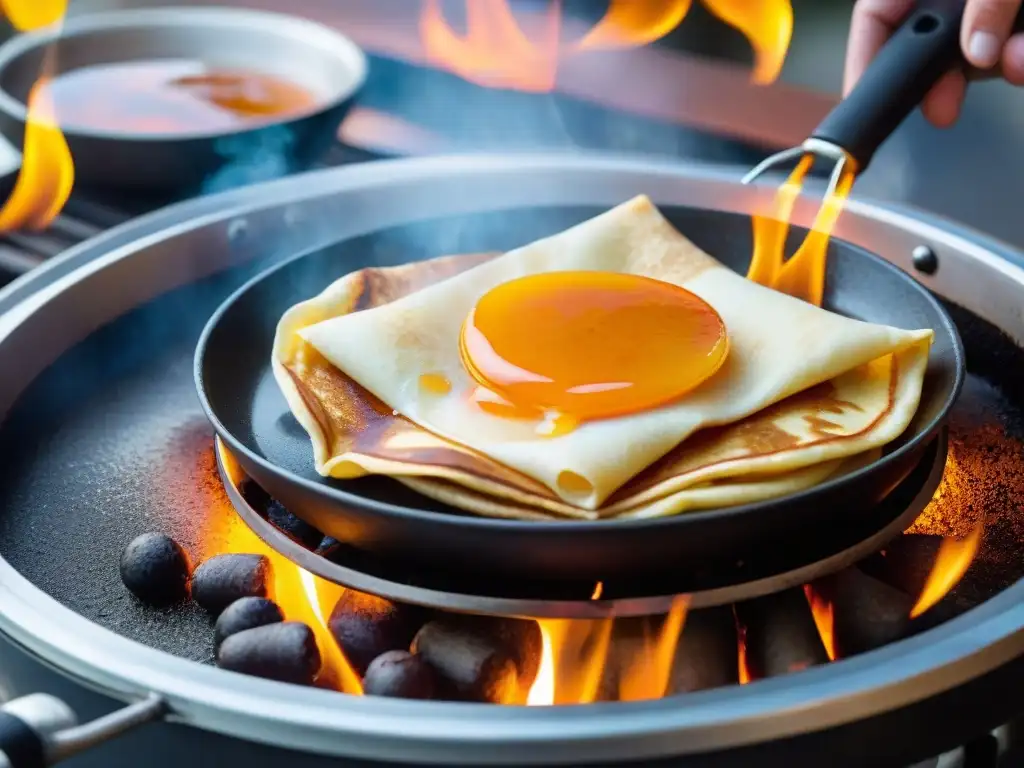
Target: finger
{"points": [[1013, 60], [942, 104], [872, 24], [986, 28]]}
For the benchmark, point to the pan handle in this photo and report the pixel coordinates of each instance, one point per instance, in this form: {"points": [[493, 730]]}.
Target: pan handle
{"points": [[925, 47], [39, 730]]}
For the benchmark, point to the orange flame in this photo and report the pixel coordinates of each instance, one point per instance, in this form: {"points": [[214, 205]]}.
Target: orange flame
{"points": [[573, 656], [824, 618], [631, 24], [47, 170], [300, 595], [803, 275], [26, 15], [767, 24], [581, 660], [646, 673], [598, 589], [951, 563], [496, 52], [742, 667]]}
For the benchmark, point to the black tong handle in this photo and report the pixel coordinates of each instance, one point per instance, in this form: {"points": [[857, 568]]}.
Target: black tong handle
{"points": [[924, 48]]}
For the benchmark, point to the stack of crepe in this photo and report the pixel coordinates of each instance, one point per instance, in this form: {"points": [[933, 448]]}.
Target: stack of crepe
{"points": [[804, 393]]}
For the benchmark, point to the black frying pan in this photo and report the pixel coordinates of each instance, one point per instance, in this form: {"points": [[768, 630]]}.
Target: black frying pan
{"points": [[380, 515]]}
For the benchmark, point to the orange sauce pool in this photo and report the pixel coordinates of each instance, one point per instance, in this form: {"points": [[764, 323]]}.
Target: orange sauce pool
{"points": [[591, 344], [172, 95]]}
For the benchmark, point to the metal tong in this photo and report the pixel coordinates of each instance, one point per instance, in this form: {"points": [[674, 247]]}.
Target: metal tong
{"points": [[925, 47]]}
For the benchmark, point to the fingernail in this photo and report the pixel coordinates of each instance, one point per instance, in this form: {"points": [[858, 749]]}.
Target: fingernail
{"points": [[983, 49]]}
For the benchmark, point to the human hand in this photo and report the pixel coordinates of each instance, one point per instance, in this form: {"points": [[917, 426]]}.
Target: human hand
{"points": [[985, 38]]}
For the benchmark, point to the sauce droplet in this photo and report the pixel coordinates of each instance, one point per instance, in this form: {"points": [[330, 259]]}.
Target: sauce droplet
{"points": [[435, 384], [590, 345]]}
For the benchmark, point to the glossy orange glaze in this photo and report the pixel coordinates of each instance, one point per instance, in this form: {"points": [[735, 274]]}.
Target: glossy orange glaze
{"points": [[169, 95], [589, 345]]}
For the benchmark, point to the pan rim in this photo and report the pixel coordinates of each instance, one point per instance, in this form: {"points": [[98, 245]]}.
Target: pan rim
{"points": [[555, 527]]}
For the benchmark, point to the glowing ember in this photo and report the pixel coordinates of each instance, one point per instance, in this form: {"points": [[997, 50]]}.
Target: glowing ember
{"points": [[803, 275], [951, 563], [300, 595], [743, 668], [497, 52], [824, 618], [47, 170]]}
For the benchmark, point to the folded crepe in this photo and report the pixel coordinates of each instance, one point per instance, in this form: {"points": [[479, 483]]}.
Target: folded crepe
{"points": [[802, 390]]}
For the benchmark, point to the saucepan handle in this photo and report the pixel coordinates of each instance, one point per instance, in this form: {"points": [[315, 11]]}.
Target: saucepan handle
{"points": [[39, 730], [925, 47]]}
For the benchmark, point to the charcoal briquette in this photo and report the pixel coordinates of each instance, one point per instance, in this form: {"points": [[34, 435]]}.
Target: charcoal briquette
{"points": [[245, 613], [907, 562], [286, 652], [521, 639], [365, 626], [867, 613], [155, 568], [225, 578], [470, 666], [780, 634], [706, 656], [400, 674], [293, 527]]}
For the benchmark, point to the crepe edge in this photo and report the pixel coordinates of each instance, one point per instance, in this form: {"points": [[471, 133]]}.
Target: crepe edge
{"points": [[879, 434], [285, 337], [690, 499]]}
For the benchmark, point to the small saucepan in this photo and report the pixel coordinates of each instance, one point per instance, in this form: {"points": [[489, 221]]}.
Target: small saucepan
{"points": [[325, 64]]}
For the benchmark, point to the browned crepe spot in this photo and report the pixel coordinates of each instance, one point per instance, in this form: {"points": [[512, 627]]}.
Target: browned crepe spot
{"points": [[756, 435], [354, 421]]}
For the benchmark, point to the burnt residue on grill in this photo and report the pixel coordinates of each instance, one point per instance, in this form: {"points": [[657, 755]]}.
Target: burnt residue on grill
{"points": [[107, 444], [984, 479]]}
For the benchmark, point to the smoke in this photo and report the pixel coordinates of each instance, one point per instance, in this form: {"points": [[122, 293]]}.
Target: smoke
{"points": [[252, 157]]}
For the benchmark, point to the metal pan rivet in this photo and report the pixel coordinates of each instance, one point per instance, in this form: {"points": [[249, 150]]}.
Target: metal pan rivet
{"points": [[925, 260], [238, 229]]}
